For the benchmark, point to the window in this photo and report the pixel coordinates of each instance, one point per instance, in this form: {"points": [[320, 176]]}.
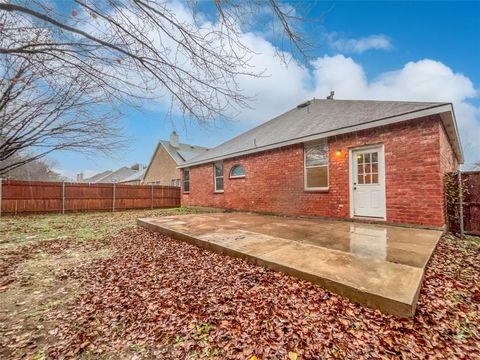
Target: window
{"points": [[316, 165], [186, 180], [218, 176], [367, 168], [237, 171], [175, 182]]}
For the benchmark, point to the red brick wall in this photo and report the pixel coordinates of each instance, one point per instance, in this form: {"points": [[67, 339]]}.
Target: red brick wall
{"points": [[448, 161], [274, 179]]}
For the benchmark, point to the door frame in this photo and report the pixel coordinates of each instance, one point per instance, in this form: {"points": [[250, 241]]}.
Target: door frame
{"points": [[381, 177]]}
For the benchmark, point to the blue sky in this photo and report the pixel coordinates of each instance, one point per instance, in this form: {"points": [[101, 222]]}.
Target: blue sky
{"points": [[398, 50]]}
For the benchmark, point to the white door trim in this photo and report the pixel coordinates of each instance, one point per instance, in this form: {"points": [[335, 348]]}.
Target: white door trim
{"points": [[351, 174]]}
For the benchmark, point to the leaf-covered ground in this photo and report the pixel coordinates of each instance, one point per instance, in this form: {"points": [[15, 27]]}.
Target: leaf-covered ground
{"points": [[35, 252], [148, 296]]}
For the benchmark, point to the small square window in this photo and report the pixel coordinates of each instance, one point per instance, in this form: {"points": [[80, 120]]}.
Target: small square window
{"points": [[360, 179]]}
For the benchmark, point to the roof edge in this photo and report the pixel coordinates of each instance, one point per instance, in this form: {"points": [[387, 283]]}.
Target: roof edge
{"points": [[433, 110], [151, 158], [449, 121]]}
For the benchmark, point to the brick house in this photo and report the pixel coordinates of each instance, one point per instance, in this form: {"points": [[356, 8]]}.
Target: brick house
{"points": [[375, 160], [162, 169]]}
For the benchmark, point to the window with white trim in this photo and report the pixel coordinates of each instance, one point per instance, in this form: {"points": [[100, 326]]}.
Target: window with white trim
{"points": [[186, 180], [316, 165], [237, 171], [218, 176]]}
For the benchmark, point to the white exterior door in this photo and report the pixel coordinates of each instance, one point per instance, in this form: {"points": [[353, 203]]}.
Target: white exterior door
{"points": [[367, 182]]}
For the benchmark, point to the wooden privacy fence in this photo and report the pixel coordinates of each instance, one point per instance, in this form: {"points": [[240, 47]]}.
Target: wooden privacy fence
{"points": [[18, 197], [471, 203], [466, 208]]}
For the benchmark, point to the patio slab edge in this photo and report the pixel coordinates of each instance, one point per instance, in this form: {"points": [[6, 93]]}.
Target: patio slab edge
{"points": [[376, 301]]}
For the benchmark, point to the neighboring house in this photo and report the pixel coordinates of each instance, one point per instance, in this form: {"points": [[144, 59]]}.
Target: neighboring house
{"points": [[162, 169], [375, 160], [125, 175], [94, 178], [135, 178]]}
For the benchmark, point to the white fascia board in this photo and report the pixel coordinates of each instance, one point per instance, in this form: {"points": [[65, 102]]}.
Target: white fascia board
{"points": [[450, 124]]}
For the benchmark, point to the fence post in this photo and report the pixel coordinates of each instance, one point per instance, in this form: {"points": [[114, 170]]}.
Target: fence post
{"points": [[1, 196], [152, 197], [63, 197], [113, 205], [460, 202]]}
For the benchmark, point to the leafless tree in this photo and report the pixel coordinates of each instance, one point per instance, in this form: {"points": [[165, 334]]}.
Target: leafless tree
{"points": [[37, 170], [60, 64], [44, 109]]}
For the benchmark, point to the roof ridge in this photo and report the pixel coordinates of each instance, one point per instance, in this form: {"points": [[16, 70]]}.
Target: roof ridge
{"points": [[185, 144]]}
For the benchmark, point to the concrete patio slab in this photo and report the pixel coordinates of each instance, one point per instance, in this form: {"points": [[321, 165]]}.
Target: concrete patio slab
{"points": [[375, 265]]}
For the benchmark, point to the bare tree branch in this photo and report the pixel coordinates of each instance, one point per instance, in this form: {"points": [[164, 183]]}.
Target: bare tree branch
{"points": [[64, 75]]}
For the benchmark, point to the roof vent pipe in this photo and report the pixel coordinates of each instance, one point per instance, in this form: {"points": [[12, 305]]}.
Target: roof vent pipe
{"points": [[174, 140], [302, 105], [330, 97]]}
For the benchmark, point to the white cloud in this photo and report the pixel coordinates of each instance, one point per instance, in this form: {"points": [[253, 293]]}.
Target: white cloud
{"points": [[423, 80], [279, 87], [360, 45], [282, 87]]}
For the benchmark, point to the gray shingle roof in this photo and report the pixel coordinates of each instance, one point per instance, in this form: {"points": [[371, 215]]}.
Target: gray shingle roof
{"points": [[183, 152], [117, 175], [137, 175], [321, 118], [97, 177]]}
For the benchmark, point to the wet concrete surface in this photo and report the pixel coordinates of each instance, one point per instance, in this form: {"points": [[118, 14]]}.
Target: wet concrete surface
{"points": [[376, 265]]}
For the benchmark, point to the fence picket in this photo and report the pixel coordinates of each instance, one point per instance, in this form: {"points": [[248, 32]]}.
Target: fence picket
{"points": [[40, 197]]}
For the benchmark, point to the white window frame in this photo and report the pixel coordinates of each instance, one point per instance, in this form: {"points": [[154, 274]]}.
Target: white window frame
{"points": [[215, 177], [305, 167], [184, 181], [236, 176]]}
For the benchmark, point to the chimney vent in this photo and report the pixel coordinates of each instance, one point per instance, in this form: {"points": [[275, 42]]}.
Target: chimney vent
{"points": [[80, 177], [330, 97], [174, 140]]}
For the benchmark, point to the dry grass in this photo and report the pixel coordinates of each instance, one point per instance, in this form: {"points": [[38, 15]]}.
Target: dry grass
{"points": [[36, 253]]}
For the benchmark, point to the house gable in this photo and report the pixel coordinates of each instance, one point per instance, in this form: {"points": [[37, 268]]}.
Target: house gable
{"points": [[162, 168]]}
